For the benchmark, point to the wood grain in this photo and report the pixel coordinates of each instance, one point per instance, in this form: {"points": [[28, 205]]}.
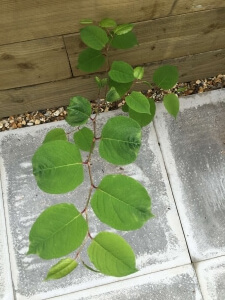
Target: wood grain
{"points": [[33, 62], [165, 38], [181, 6], [54, 94], [32, 19]]}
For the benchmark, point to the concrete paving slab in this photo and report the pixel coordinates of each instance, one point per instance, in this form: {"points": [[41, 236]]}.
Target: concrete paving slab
{"points": [[211, 277], [173, 284], [6, 291], [158, 245], [193, 148]]}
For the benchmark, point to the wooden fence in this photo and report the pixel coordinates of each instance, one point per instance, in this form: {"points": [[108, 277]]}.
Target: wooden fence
{"points": [[39, 45]]}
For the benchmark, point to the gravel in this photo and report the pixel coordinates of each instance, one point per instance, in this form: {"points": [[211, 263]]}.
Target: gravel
{"points": [[56, 114]]}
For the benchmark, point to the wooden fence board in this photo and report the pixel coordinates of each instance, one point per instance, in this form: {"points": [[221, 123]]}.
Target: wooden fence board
{"points": [[33, 62], [15, 101], [165, 38], [28, 19], [181, 6]]}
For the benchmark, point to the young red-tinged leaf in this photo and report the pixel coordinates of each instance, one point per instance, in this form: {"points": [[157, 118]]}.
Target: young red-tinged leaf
{"points": [[59, 230], [121, 72], [54, 135], [84, 139], [171, 103], [144, 119], [166, 77], [138, 102], [112, 255], [90, 60], [139, 72], [107, 23], [123, 29], [64, 267], [124, 41], [78, 111], [112, 95], [94, 37], [57, 167], [121, 202], [120, 140]]}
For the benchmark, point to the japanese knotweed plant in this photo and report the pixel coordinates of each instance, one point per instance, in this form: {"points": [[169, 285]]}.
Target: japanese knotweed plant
{"points": [[118, 200]]}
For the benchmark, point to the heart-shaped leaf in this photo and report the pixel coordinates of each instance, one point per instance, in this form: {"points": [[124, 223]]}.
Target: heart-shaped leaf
{"points": [[112, 95], [94, 37], [121, 202], [171, 103], [107, 23], [123, 29], [84, 138], [144, 119], [61, 269], [120, 140], [112, 255], [78, 111], [54, 135], [59, 230], [90, 60], [138, 102], [124, 41], [121, 88], [121, 72], [57, 167], [166, 77]]}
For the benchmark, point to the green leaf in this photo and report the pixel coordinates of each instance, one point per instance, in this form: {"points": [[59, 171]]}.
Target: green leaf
{"points": [[107, 23], [121, 72], [138, 102], [125, 41], [90, 60], [121, 202], [101, 82], [57, 167], [125, 108], [84, 139], [61, 269], [94, 37], [112, 255], [112, 95], [166, 77], [78, 111], [139, 72], [123, 29], [59, 230], [121, 88], [86, 21], [120, 140], [54, 135], [144, 119], [171, 103]]}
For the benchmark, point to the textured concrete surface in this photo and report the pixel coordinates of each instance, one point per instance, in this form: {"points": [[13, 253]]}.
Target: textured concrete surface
{"points": [[6, 291], [192, 148], [173, 284], [211, 274], [158, 245]]}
